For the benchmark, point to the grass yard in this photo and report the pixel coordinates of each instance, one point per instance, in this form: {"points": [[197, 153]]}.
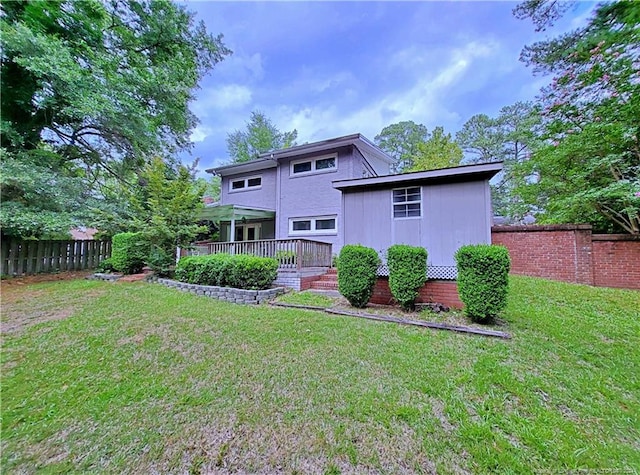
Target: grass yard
{"points": [[138, 378]]}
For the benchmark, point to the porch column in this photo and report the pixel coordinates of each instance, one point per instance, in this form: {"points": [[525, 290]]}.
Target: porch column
{"points": [[232, 231]]}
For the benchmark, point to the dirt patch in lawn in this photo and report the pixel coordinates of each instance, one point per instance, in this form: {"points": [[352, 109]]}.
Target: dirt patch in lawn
{"points": [[453, 317], [10, 282], [23, 306]]}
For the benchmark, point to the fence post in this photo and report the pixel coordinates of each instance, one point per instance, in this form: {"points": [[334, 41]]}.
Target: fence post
{"points": [[5, 245]]}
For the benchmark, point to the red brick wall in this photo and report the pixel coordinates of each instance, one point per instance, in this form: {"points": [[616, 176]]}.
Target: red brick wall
{"points": [[570, 253], [553, 252], [441, 291], [616, 261], [305, 282]]}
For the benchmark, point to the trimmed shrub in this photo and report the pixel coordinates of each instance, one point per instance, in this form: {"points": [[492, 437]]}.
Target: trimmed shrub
{"points": [[105, 266], [357, 267], [185, 269], [224, 270], [251, 272], [129, 252], [204, 270], [407, 273], [483, 280]]}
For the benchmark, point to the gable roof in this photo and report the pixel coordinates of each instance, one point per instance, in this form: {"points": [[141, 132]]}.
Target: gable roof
{"points": [[484, 171], [269, 159]]}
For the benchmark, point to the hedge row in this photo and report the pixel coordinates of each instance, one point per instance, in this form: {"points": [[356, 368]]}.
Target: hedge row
{"points": [[224, 270]]}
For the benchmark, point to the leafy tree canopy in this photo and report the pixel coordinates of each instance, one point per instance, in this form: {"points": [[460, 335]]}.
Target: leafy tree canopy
{"points": [[39, 203], [590, 167], [97, 87], [438, 151], [260, 136], [509, 137], [401, 142]]}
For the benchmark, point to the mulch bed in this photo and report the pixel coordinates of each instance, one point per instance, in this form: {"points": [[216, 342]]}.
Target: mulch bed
{"points": [[37, 278], [382, 317]]}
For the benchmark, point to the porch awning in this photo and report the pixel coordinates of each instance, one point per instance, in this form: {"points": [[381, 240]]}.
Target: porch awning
{"points": [[235, 212]]}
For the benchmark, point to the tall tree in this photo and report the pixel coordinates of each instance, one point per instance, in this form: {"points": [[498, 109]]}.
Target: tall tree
{"points": [[590, 168], [511, 137], [401, 142], [105, 86], [166, 204], [438, 151], [482, 139], [260, 136]]}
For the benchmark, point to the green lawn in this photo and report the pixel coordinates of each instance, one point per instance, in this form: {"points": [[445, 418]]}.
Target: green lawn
{"points": [[139, 378]]}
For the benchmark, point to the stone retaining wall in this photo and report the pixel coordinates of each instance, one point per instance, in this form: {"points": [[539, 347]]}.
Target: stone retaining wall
{"points": [[250, 297]]}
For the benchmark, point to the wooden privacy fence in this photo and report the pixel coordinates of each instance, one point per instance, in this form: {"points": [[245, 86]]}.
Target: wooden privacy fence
{"points": [[34, 257]]}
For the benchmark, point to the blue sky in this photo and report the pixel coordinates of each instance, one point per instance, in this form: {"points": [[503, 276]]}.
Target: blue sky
{"points": [[335, 68]]}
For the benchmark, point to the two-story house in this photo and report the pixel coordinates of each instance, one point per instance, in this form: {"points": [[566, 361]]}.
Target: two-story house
{"points": [[289, 193], [340, 191]]}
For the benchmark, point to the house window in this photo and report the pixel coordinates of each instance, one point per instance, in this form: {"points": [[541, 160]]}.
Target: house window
{"points": [[313, 225], [407, 202], [243, 184], [327, 163]]}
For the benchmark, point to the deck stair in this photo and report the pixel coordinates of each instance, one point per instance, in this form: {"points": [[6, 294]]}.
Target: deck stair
{"points": [[328, 281]]}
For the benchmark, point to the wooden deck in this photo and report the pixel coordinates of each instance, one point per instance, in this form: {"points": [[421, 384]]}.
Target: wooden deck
{"points": [[291, 253]]}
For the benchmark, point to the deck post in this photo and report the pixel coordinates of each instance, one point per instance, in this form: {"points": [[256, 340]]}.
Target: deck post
{"points": [[299, 254]]}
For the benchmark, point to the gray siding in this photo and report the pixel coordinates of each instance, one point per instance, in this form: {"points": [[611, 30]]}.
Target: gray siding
{"points": [[452, 215], [380, 166], [313, 195], [264, 197]]}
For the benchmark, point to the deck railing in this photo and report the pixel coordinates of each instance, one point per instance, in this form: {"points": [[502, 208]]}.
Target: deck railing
{"points": [[290, 253]]}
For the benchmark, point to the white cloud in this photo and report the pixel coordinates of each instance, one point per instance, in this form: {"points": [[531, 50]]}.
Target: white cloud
{"points": [[423, 101], [228, 97], [200, 133], [241, 67]]}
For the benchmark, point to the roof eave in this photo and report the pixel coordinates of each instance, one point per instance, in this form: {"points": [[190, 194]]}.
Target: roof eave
{"points": [[463, 173], [244, 167]]}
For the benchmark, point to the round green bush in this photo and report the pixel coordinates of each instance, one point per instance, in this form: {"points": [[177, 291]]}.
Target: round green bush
{"points": [[357, 267], [407, 273], [483, 280], [129, 252]]}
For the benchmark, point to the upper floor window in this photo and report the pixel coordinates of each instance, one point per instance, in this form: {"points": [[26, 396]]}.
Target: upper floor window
{"points": [[242, 184], [326, 163], [407, 202]]}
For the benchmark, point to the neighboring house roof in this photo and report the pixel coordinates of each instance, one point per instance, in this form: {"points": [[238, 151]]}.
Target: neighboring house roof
{"points": [[83, 233], [443, 175], [269, 159]]}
